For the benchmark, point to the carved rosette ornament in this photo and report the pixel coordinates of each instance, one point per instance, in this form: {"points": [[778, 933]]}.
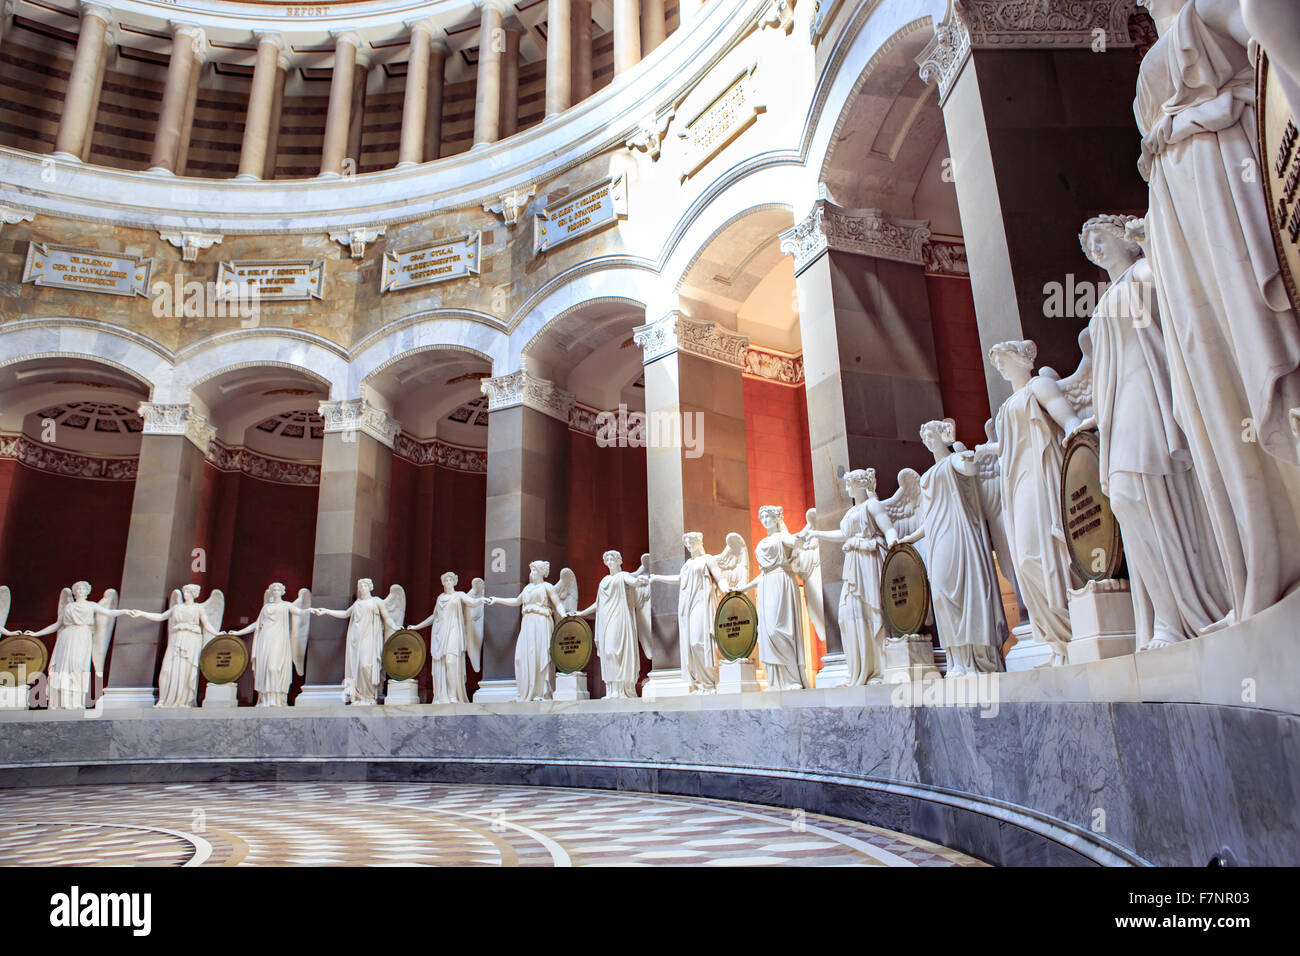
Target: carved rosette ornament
{"points": [[864, 232], [177, 419], [676, 332], [521, 388], [357, 414]]}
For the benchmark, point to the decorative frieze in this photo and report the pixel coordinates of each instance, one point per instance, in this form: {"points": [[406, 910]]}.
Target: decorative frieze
{"points": [[945, 257], [773, 366], [440, 262], [349, 416], [728, 115], [281, 471], [595, 207], [864, 232], [70, 464], [86, 270], [521, 388], [284, 280], [584, 419], [435, 451], [676, 332], [356, 238], [509, 206], [177, 419], [190, 243]]}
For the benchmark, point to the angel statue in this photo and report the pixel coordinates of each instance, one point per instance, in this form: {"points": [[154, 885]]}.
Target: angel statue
{"points": [[964, 588], [371, 620], [1176, 575], [618, 630], [85, 628], [190, 626], [780, 625], [700, 582], [279, 644], [808, 568], [1030, 431], [542, 604], [457, 621], [866, 533], [644, 618], [733, 561]]}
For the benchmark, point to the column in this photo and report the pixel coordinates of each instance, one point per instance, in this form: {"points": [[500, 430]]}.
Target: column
{"points": [[261, 99], [700, 480], [93, 112], [580, 83], [433, 123], [277, 108], [340, 104], [351, 531], [357, 111], [415, 102], [176, 95], [510, 83], [653, 24], [159, 543], [627, 35], [191, 104], [527, 507], [561, 34], [83, 82], [870, 372], [487, 93], [1041, 137]]}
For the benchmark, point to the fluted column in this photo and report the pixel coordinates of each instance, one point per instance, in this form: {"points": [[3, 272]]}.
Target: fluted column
{"points": [[627, 35], [487, 97], [277, 107], [653, 24], [191, 103], [357, 114], [176, 94], [257, 123], [559, 54], [84, 81], [415, 103], [340, 105], [433, 122], [580, 83]]}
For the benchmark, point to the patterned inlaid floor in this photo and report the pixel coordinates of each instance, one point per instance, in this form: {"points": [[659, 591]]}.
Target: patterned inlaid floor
{"points": [[365, 824]]}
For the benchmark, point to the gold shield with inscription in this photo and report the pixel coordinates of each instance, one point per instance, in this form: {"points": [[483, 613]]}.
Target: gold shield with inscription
{"points": [[735, 627], [21, 659], [1091, 531], [571, 644], [404, 654], [1279, 150], [904, 590], [224, 660]]}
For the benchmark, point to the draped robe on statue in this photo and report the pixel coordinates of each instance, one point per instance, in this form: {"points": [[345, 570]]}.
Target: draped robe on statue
{"points": [[697, 607], [363, 667], [1175, 573], [70, 663], [780, 624], [616, 634], [862, 625], [534, 671], [178, 681], [273, 650], [448, 642], [1233, 342]]}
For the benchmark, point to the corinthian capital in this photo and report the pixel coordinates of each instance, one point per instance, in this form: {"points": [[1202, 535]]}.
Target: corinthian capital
{"points": [[523, 388]]}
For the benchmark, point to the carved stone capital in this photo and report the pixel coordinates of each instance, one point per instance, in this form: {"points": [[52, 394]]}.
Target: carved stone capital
{"points": [[189, 243], [521, 388], [356, 414], [864, 232], [178, 419], [509, 206], [676, 332], [356, 238], [806, 240]]}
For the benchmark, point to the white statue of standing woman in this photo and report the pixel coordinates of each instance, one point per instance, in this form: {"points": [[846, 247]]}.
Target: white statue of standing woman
{"points": [[780, 623], [1177, 580], [85, 629], [808, 569], [280, 636], [700, 582], [190, 625], [371, 620], [865, 534], [1231, 335], [541, 605], [618, 631], [457, 630]]}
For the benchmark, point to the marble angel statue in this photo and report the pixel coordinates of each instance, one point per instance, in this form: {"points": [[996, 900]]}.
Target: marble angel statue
{"points": [[190, 625], [85, 629], [280, 636], [542, 605], [964, 590], [807, 566], [865, 534], [1030, 432], [457, 630], [780, 623], [700, 582], [618, 631], [644, 616], [371, 621], [1232, 336], [1178, 583], [733, 561]]}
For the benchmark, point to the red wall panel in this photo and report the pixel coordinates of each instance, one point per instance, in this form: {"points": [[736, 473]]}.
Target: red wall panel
{"points": [[960, 357]]}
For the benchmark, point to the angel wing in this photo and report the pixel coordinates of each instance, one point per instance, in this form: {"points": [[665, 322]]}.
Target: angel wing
{"points": [[904, 505], [65, 598], [1077, 386], [643, 608], [395, 604], [103, 630], [214, 609], [474, 626], [734, 561], [5, 601], [568, 591], [299, 628]]}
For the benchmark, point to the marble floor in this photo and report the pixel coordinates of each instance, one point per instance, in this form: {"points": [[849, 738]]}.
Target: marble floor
{"points": [[373, 824]]}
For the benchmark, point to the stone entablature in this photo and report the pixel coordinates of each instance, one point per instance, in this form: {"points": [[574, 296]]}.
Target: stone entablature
{"points": [[865, 232], [524, 388], [435, 451], [357, 414], [282, 471], [676, 332], [60, 461], [178, 419]]}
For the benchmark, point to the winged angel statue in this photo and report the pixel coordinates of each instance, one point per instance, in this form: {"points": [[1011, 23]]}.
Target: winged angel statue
{"points": [[371, 620], [541, 604], [190, 625], [457, 621], [279, 644]]}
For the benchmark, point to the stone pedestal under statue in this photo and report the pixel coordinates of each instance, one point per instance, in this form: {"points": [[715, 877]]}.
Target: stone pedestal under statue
{"points": [[401, 692], [909, 657], [737, 677], [1027, 652], [221, 695], [1101, 621], [571, 687]]}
